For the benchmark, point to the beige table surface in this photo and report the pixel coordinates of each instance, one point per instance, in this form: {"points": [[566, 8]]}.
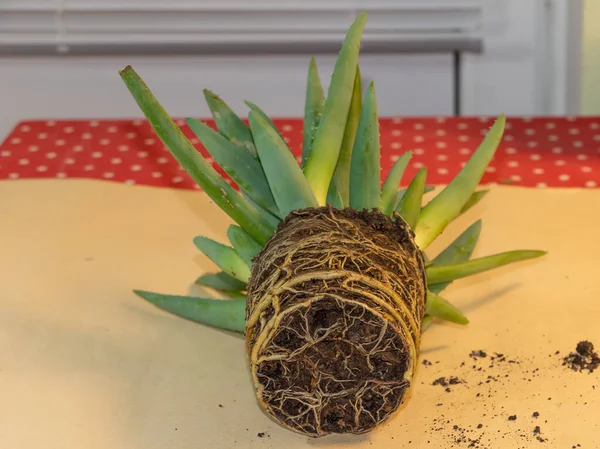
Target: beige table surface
{"points": [[86, 364]]}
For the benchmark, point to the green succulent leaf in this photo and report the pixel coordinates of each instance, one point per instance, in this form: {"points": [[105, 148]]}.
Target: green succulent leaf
{"points": [[240, 165], [236, 295], [228, 314], [475, 198], [244, 244], [226, 197], [340, 185], [437, 274], [389, 191], [326, 146], [365, 170], [229, 123], [438, 307], [460, 250], [446, 206], [262, 113], [401, 193], [427, 322], [221, 281], [410, 205], [288, 185], [313, 109], [225, 257]]}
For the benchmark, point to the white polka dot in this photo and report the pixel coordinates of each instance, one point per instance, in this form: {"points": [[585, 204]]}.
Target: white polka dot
{"points": [[527, 119], [490, 169], [509, 138], [418, 126], [23, 161], [96, 154], [163, 160], [15, 140], [299, 159], [564, 177], [538, 171], [515, 178], [196, 187], [286, 140], [94, 123], [13, 175], [441, 144], [122, 148], [87, 136], [68, 129], [464, 151], [510, 150], [69, 161], [578, 144], [442, 157], [149, 141], [115, 160], [194, 141], [210, 160], [559, 162], [131, 135], [396, 132], [508, 126], [418, 138], [88, 167], [541, 185], [5, 153], [396, 145], [594, 125], [396, 120], [532, 144], [60, 142], [287, 128], [462, 125], [586, 169], [104, 141], [61, 175], [109, 175], [156, 174], [129, 182], [393, 158], [142, 154], [78, 148], [581, 157], [483, 119], [33, 148], [463, 138], [591, 184], [25, 128], [573, 131], [51, 155], [137, 122], [180, 122], [462, 164], [597, 137], [177, 179], [41, 168], [442, 171], [552, 138], [530, 131], [550, 125], [535, 157], [419, 151], [557, 150], [112, 129], [42, 136], [136, 167], [51, 123], [417, 164]]}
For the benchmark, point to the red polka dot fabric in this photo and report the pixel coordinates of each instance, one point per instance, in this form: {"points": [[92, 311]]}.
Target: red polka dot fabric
{"points": [[535, 152]]}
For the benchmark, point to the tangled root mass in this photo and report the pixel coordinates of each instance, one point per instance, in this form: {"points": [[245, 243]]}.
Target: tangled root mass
{"points": [[335, 305]]}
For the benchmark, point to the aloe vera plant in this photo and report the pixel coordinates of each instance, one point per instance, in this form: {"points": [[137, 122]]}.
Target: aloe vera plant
{"points": [[325, 272]]}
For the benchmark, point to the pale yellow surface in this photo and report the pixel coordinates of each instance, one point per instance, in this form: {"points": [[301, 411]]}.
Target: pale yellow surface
{"points": [[86, 364], [590, 94]]}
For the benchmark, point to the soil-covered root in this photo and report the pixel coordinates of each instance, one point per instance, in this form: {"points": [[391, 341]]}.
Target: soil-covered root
{"points": [[333, 321]]}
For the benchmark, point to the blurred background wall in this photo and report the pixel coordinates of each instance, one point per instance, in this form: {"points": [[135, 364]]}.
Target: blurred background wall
{"points": [[590, 79]]}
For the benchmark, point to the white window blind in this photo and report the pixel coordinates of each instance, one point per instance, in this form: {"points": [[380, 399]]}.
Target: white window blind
{"points": [[229, 26]]}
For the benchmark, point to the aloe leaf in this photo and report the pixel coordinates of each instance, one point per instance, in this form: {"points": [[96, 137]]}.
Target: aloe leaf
{"points": [[445, 273], [244, 244], [365, 170], [389, 191], [475, 198], [334, 198], [225, 257], [401, 193], [288, 185], [229, 123], [243, 168], [326, 146], [221, 281], [229, 314], [460, 250], [313, 109], [442, 209], [235, 295], [262, 113], [427, 321], [410, 205], [440, 308], [226, 197], [340, 184]]}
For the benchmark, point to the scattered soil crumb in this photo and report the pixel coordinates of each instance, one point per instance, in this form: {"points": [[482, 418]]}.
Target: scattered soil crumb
{"points": [[478, 354], [427, 362], [221, 405], [584, 358], [536, 414], [512, 418], [262, 435]]}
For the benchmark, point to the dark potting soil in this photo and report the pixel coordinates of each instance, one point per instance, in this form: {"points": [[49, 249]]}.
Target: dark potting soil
{"points": [[583, 359]]}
